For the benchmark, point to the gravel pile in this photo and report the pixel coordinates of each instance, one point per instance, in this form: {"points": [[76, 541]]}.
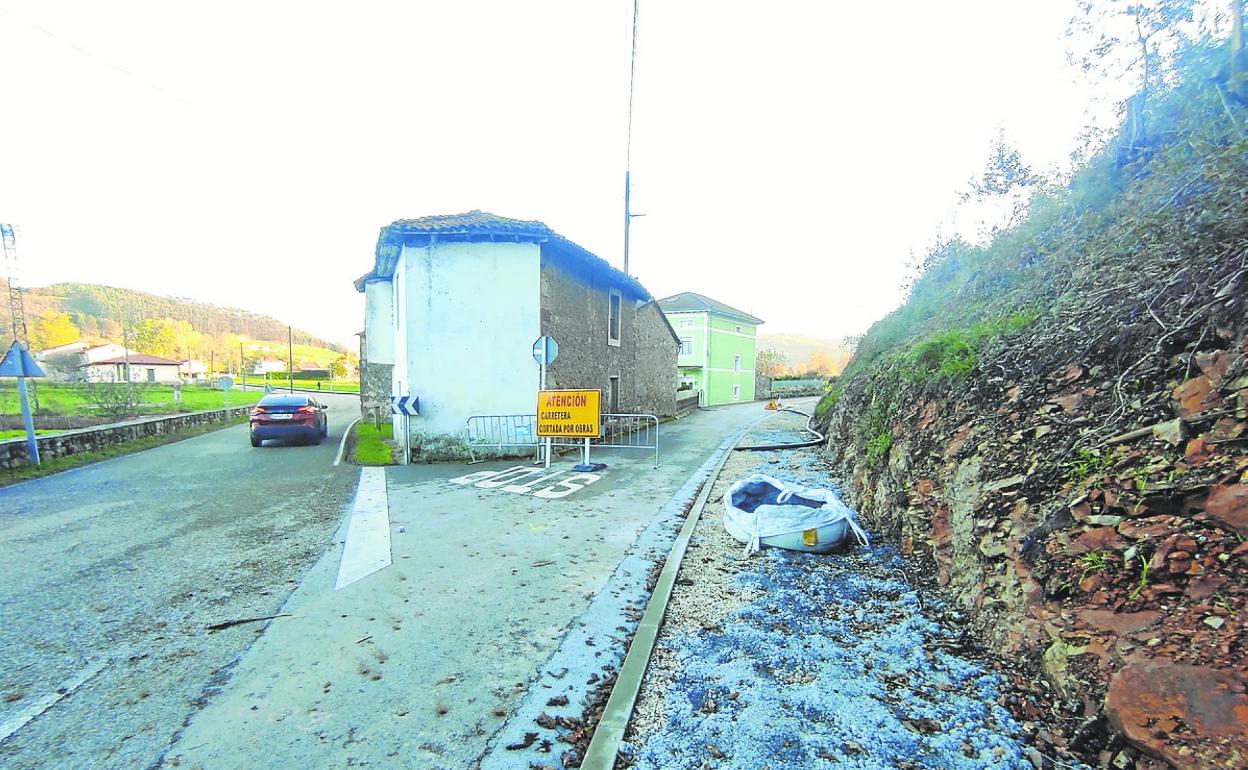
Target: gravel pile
{"points": [[793, 660]]}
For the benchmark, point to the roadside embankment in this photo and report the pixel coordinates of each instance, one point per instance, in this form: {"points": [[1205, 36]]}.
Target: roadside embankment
{"points": [[798, 660], [1057, 422]]}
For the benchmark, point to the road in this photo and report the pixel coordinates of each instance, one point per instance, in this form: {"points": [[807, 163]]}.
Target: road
{"points": [[111, 573], [425, 663]]}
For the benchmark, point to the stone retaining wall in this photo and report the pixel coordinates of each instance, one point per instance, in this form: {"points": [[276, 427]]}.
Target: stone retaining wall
{"points": [[13, 451], [686, 405]]}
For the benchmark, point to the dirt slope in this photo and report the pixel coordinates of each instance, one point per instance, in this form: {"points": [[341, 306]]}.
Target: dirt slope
{"points": [[1079, 478]]}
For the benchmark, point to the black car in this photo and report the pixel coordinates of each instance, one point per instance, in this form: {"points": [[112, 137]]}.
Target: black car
{"points": [[289, 416]]}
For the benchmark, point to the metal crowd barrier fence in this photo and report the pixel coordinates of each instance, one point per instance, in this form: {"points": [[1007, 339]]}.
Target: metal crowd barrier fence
{"points": [[499, 431], [619, 431]]}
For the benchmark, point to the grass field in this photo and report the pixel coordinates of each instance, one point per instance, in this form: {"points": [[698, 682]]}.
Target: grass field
{"points": [[370, 446], [62, 399], [5, 435], [326, 386]]}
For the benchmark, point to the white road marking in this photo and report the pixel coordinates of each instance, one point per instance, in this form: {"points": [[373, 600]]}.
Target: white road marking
{"points": [[342, 445], [567, 486], [528, 486], [506, 480], [367, 548], [508, 476], [19, 720]]}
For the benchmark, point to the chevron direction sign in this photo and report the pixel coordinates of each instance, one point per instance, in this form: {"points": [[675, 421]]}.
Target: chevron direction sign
{"points": [[408, 405]]}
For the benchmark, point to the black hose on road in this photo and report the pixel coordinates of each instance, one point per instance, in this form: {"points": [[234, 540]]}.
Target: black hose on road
{"points": [[799, 445]]}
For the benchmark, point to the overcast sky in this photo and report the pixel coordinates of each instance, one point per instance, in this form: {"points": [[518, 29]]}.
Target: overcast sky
{"points": [[788, 155]]}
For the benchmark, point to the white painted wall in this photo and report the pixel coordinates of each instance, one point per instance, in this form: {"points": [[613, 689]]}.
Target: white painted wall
{"points": [[379, 322], [466, 318], [138, 373], [103, 353]]}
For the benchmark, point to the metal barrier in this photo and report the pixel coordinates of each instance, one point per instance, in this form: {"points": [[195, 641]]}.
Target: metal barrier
{"points": [[619, 431], [501, 430], [623, 431]]}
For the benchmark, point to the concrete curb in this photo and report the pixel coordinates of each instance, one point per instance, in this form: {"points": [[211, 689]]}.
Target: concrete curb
{"points": [[605, 744]]}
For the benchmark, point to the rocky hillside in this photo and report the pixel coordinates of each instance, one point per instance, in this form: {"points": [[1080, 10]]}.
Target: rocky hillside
{"points": [[1058, 422]]}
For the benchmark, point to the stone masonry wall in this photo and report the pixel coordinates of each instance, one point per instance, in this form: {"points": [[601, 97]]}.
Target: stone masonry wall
{"points": [[13, 451], [375, 385], [575, 314]]}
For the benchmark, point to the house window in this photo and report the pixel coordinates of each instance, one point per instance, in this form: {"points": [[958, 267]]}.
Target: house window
{"points": [[736, 364], [738, 330], [736, 392], [151, 375], [613, 396], [613, 318], [686, 346], [686, 323]]}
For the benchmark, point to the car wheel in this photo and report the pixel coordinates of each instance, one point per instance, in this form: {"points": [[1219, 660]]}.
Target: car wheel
{"points": [[254, 441], [325, 428]]}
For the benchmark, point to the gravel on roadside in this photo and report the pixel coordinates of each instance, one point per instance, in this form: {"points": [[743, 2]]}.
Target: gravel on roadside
{"points": [[796, 660]]}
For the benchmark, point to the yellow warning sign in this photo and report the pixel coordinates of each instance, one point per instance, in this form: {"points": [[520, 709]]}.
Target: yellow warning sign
{"points": [[774, 404], [568, 413]]}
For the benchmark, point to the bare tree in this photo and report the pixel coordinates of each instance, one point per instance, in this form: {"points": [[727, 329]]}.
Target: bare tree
{"points": [[109, 396]]}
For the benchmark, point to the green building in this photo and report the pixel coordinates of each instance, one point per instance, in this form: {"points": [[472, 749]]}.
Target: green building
{"points": [[717, 347]]}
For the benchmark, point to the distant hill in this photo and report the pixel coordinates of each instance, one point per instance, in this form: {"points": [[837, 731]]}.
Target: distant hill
{"points": [[88, 299], [798, 349], [170, 326]]}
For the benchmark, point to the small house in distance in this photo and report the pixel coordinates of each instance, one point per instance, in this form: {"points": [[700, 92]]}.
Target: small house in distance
{"points": [[718, 344], [453, 306], [137, 367]]}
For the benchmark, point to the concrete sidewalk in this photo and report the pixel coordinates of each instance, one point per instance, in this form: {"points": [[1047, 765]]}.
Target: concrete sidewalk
{"points": [[418, 664]]}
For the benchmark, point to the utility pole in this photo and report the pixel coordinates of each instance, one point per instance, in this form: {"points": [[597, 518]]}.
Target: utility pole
{"points": [[290, 356], [17, 304], [628, 152], [125, 343], [242, 366]]}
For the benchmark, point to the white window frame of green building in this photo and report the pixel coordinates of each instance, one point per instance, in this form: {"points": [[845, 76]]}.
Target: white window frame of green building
{"points": [[615, 305], [736, 364], [686, 346], [736, 392], [686, 323]]}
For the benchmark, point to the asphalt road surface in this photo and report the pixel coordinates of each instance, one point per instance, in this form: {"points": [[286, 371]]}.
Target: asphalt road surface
{"points": [[109, 575]]}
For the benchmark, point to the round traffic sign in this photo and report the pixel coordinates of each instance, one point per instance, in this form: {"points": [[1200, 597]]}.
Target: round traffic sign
{"points": [[545, 349], [225, 383]]}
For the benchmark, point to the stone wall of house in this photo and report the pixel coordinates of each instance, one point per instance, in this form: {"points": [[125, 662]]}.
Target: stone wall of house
{"points": [[13, 451], [375, 385], [575, 310]]}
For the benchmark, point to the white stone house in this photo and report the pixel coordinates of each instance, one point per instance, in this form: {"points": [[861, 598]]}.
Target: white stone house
{"points": [[267, 365], [192, 369], [453, 306], [141, 368]]}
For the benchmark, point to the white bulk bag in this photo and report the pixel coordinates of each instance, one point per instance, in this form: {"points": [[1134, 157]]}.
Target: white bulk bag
{"points": [[761, 510]]}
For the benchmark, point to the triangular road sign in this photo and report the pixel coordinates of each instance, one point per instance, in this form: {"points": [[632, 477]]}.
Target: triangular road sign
{"points": [[18, 363]]}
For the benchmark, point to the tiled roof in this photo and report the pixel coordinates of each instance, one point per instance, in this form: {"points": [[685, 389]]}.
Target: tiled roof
{"points": [[136, 359], [470, 223], [690, 302], [478, 226]]}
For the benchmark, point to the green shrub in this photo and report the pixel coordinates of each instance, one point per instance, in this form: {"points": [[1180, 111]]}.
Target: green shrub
{"points": [[878, 446]]}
